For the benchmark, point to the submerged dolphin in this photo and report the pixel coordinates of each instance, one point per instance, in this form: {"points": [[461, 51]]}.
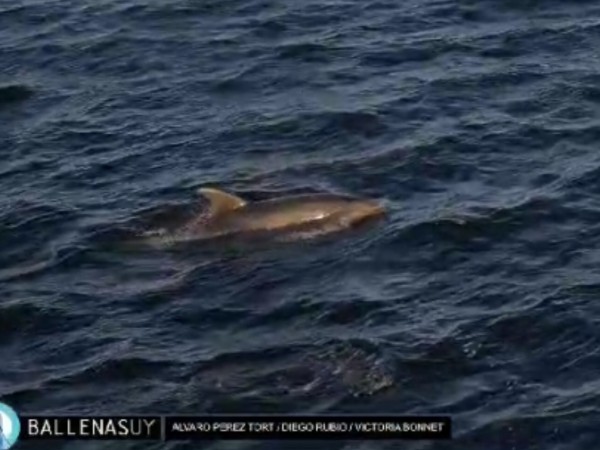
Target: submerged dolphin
{"points": [[287, 218]]}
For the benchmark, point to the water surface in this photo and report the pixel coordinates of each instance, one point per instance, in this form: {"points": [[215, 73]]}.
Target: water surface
{"points": [[477, 123]]}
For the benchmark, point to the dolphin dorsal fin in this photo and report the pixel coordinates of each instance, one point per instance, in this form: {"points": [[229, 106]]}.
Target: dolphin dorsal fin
{"points": [[220, 201]]}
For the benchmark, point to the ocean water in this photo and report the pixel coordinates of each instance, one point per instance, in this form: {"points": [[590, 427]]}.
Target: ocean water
{"points": [[476, 122]]}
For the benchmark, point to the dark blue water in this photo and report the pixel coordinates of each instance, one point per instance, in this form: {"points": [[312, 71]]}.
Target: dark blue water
{"points": [[477, 122]]}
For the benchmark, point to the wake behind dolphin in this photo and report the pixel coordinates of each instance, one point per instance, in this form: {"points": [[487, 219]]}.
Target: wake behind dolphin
{"points": [[284, 219]]}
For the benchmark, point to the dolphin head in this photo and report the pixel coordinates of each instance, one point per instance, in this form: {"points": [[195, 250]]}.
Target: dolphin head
{"points": [[356, 211], [333, 210]]}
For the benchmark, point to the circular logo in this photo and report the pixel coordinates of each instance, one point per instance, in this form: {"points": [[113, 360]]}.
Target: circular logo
{"points": [[10, 427]]}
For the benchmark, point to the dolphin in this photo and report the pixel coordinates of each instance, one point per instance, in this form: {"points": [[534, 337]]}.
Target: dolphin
{"points": [[286, 218]]}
